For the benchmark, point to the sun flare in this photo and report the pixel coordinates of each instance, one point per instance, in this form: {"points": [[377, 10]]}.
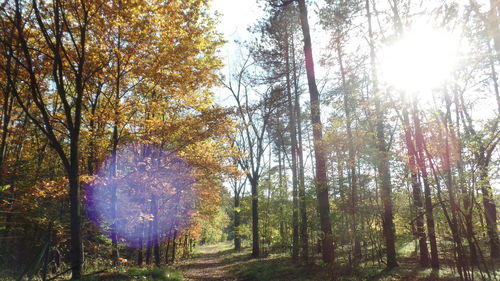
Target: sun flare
{"points": [[424, 58]]}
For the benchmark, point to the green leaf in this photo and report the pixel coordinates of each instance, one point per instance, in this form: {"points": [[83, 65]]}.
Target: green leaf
{"points": [[4, 187]]}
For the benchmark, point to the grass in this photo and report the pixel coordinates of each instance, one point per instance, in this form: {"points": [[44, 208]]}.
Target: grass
{"points": [[155, 273], [280, 268], [218, 247], [277, 267], [138, 273], [274, 267]]}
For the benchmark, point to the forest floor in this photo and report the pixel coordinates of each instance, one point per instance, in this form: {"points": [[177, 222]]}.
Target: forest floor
{"points": [[208, 265], [220, 262]]}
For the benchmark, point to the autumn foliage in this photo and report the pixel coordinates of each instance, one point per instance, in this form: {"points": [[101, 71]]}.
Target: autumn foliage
{"points": [[83, 81]]}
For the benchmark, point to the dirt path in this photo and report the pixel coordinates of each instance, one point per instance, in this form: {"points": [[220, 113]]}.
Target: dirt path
{"points": [[207, 267]]}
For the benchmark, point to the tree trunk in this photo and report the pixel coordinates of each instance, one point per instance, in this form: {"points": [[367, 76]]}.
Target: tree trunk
{"points": [[148, 242], [141, 239], [92, 146], [113, 201], [462, 266], [304, 238], [490, 212], [237, 221], [282, 195], [167, 248], [6, 115], [466, 194], [385, 192], [174, 246], [75, 218], [351, 157], [293, 140], [343, 204], [319, 154], [255, 218], [416, 191], [429, 209], [156, 243], [114, 170], [73, 113], [383, 158], [114, 162]]}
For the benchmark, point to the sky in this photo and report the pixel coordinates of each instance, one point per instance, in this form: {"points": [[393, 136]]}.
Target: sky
{"points": [[236, 17]]}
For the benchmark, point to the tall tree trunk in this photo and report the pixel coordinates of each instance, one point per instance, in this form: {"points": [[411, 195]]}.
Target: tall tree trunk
{"points": [[113, 199], [385, 193], [141, 242], [344, 222], [237, 221], [73, 113], [383, 158], [282, 194], [293, 139], [114, 162], [467, 195], [304, 238], [167, 248], [255, 218], [483, 163], [76, 252], [174, 246], [454, 222], [429, 212], [319, 153], [149, 245], [485, 155], [6, 115], [74, 179], [8, 101], [92, 146], [416, 191], [155, 236], [490, 212], [351, 156]]}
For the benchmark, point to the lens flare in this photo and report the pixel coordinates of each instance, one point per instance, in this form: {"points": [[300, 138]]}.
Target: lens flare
{"points": [[421, 60], [149, 197]]}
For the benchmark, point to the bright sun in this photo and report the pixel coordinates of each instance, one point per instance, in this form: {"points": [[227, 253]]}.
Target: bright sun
{"points": [[421, 60]]}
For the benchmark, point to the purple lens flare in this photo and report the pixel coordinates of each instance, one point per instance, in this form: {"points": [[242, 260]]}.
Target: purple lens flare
{"points": [[154, 191]]}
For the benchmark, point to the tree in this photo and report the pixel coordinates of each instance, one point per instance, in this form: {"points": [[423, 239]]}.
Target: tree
{"points": [[74, 64], [319, 153], [237, 186], [337, 18], [68, 77], [275, 53], [382, 154], [429, 213], [250, 139], [321, 182], [415, 184]]}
